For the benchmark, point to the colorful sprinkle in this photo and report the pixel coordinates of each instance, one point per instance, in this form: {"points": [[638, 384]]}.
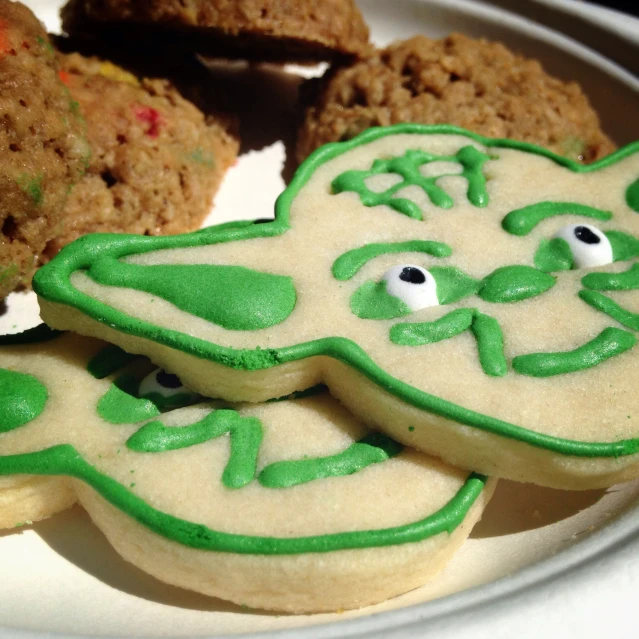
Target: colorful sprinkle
{"points": [[150, 116]]}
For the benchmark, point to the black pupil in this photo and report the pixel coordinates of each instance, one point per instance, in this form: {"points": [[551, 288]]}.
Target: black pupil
{"points": [[412, 275], [585, 235], [168, 380]]}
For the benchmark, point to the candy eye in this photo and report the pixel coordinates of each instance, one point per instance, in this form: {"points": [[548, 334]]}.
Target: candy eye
{"points": [[164, 384], [589, 246], [413, 285]]}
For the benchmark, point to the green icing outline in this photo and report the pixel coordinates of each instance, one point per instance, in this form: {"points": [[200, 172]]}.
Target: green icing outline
{"points": [[374, 448], [349, 263], [245, 434], [65, 460], [610, 342], [408, 167], [52, 282], [522, 221]]}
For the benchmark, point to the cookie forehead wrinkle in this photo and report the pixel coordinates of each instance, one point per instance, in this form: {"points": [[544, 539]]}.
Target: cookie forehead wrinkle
{"points": [[597, 405]]}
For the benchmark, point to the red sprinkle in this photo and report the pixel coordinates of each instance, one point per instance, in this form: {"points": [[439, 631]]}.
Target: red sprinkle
{"points": [[65, 77], [151, 117]]}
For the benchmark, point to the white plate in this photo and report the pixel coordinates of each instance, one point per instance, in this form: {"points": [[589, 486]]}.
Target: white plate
{"points": [[541, 561]]}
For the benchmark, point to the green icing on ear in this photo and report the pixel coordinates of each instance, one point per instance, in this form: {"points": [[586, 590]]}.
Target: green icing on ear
{"points": [[604, 304], [419, 333], [119, 405], [626, 281], [372, 449], [515, 283], [346, 265], [523, 221], [110, 359], [245, 434], [233, 297], [22, 399], [408, 167], [452, 284], [632, 196], [610, 342], [35, 335], [372, 301], [490, 344], [624, 246], [554, 255]]}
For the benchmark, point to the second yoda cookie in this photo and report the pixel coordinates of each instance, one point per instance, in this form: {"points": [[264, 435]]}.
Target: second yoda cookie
{"points": [[290, 505]]}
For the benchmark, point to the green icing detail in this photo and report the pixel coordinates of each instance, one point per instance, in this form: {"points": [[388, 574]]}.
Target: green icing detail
{"points": [[233, 297], [604, 304], [52, 282], [514, 284], [407, 166], [32, 186], [490, 344], [419, 333], [245, 436], [626, 281], [486, 330], [346, 265], [22, 399], [452, 284], [632, 196], [554, 255], [36, 335], [65, 460], [523, 221], [624, 246], [610, 342], [119, 405], [372, 301], [372, 449], [110, 359]]}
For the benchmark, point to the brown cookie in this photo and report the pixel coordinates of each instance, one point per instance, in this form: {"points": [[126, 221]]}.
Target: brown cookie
{"points": [[156, 160], [43, 150], [475, 84], [253, 29]]}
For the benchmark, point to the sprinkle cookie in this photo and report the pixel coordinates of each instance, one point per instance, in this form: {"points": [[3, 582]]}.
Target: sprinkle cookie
{"points": [[43, 150], [476, 299], [291, 505]]}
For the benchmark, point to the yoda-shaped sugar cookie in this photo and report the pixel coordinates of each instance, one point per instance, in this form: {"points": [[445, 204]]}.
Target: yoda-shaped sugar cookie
{"points": [[291, 505], [477, 299]]}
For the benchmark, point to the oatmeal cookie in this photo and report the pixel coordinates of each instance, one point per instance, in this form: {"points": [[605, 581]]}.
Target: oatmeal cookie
{"points": [[156, 161], [43, 150], [254, 29], [475, 84]]}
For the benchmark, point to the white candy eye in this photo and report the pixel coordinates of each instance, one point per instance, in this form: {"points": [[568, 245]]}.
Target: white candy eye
{"points": [[162, 383], [589, 246], [414, 285]]}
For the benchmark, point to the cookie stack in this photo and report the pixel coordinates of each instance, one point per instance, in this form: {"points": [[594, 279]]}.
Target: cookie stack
{"points": [[470, 302]]}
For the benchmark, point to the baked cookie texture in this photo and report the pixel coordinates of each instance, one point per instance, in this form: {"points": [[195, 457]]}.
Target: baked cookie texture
{"points": [[476, 299], [255, 29], [478, 85], [43, 150], [229, 500], [157, 160]]}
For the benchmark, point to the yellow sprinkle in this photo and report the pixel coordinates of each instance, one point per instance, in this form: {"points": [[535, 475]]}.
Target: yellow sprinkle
{"points": [[110, 70]]}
